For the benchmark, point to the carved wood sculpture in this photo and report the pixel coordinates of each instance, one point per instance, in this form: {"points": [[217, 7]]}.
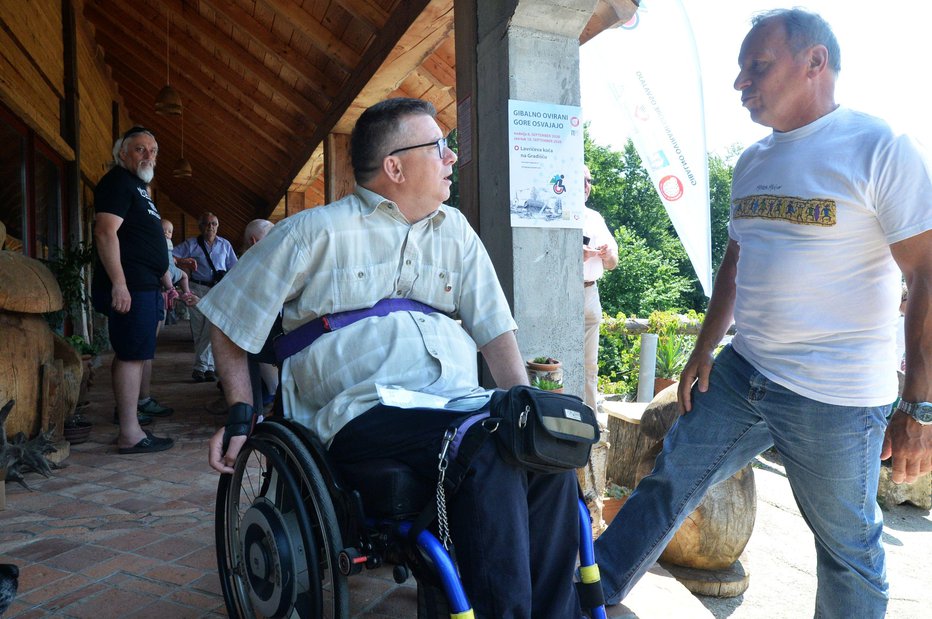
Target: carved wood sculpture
{"points": [[30, 370], [716, 533], [23, 456]]}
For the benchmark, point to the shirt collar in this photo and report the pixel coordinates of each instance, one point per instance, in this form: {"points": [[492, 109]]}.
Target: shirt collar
{"points": [[371, 202]]}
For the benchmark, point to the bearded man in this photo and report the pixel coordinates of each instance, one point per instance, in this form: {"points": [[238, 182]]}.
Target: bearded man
{"points": [[130, 271]]}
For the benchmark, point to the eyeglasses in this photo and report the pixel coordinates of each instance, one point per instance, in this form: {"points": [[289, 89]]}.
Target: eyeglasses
{"points": [[441, 145], [587, 181]]}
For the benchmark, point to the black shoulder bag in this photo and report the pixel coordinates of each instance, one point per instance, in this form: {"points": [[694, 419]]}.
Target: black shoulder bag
{"points": [[218, 275]]}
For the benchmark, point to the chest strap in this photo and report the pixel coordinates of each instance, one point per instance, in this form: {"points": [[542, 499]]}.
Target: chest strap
{"points": [[295, 341]]}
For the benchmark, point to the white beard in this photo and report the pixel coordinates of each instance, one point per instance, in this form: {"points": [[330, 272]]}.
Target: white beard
{"points": [[145, 172]]}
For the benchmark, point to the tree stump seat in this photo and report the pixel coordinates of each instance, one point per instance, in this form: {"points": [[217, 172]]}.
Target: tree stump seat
{"points": [[713, 537]]}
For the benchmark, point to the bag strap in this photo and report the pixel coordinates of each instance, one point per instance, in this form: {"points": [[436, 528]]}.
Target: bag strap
{"points": [[297, 340], [210, 263], [461, 442]]}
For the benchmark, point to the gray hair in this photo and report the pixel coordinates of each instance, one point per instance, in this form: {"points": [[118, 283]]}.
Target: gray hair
{"points": [[257, 228], [119, 147], [803, 30]]}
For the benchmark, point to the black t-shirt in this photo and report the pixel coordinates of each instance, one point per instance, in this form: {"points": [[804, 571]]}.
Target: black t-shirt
{"points": [[143, 250]]}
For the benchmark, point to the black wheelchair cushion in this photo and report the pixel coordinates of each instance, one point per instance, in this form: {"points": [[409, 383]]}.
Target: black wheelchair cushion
{"points": [[389, 489]]}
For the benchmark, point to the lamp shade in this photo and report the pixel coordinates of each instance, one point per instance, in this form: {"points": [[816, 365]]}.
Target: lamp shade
{"points": [[182, 169], [168, 102]]}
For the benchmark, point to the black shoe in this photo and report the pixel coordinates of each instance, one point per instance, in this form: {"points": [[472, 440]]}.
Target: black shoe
{"points": [[199, 376], [143, 418], [209, 376], [150, 444]]}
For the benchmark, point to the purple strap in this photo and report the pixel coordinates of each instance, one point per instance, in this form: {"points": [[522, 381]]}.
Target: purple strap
{"points": [[302, 337]]}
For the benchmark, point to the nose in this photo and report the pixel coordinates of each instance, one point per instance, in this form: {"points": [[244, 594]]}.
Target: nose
{"points": [[742, 81], [449, 156]]}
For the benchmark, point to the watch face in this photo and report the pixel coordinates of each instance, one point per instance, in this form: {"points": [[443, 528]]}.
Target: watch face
{"points": [[920, 411]]}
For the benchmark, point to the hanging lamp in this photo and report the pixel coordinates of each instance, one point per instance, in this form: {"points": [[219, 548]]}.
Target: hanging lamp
{"points": [[168, 103], [182, 167]]}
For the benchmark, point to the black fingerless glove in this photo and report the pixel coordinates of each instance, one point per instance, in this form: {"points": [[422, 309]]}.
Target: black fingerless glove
{"points": [[241, 420]]}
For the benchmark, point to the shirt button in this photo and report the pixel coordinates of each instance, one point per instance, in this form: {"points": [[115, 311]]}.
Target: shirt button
{"points": [[398, 292], [407, 262], [433, 352], [448, 288], [442, 275], [360, 274]]}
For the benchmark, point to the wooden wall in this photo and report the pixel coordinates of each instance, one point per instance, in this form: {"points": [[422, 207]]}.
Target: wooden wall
{"points": [[32, 80]]}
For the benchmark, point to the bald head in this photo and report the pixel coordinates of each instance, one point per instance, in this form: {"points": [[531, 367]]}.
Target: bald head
{"points": [[256, 231]]}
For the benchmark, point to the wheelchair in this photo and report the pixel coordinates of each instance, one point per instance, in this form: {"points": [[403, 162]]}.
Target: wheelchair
{"points": [[291, 530]]}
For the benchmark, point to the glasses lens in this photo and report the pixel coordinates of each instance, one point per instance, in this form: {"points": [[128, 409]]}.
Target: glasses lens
{"points": [[442, 146]]}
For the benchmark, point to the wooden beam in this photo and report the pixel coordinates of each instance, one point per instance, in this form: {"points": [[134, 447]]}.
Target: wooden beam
{"points": [[338, 167], [365, 11]]}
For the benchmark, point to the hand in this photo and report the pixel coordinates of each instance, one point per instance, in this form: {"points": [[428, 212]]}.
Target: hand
{"points": [[698, 367], [120, 300], [190, 299], [590, 252], [220, 461], [910, 444], [172, 294]]}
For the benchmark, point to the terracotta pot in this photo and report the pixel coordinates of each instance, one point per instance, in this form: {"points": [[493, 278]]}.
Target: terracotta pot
{"points": [[546, 371], [662, 383], [610, 507]]}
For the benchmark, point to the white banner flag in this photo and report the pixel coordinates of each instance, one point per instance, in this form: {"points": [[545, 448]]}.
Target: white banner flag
{"points": [[646, 72]]}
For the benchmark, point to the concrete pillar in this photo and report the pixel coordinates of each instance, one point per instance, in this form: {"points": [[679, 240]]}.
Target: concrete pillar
{"points": [[527, 50]]}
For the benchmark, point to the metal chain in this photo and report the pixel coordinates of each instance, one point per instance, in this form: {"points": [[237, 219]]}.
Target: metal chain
{"points": [[442, 524]]}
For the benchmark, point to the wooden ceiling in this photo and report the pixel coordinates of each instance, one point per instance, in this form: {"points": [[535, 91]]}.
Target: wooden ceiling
{"points": [[263, 82]]}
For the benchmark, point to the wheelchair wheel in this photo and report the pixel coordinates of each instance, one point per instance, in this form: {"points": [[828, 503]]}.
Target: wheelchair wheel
{"points": [[277, 535]]}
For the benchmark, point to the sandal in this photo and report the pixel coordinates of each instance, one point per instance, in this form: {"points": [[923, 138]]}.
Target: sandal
{"points": [[150, 444]]}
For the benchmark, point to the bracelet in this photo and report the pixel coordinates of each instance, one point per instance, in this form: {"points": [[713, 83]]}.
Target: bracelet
{"points": [[241, 419]]}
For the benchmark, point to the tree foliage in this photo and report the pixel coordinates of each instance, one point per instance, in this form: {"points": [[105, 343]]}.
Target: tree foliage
{"points": [[654, 272]]}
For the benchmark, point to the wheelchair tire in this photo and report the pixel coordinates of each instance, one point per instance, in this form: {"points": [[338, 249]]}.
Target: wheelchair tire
{"points": [[276, 533]]}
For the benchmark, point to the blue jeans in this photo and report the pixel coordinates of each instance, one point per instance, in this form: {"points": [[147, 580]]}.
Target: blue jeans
{"points": [[832, 458]]}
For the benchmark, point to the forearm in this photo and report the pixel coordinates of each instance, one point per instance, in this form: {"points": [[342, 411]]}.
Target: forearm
{"points": [[167, 281], [504, 360], [232, 367], [720, 313], [918, 385]]}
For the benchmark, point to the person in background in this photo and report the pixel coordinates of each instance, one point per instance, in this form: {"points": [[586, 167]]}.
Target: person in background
{"points": [[130, 271], [600, 254], [178, 276], [392, 243], [825, 214], [215, 256]]}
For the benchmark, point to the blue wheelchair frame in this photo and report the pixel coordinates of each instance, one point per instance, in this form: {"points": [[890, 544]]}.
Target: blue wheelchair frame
{"points": [[290, 531]]}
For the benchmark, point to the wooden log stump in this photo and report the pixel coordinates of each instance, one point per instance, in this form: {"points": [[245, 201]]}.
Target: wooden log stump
{"points": [[713, 537]]}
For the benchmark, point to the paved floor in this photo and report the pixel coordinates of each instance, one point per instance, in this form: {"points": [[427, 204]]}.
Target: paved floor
{"points": [[133, 536]]}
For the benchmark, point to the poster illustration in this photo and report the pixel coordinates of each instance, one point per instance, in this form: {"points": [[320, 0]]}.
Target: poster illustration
{"points": [[545, 142]]}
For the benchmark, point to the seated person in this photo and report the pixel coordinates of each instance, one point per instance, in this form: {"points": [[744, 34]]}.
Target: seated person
{"points": [[178, 276], [516, 533]]}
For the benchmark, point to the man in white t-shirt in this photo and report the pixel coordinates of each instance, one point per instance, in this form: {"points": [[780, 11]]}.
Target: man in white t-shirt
{"points": [[600, 254], [826, 212]]}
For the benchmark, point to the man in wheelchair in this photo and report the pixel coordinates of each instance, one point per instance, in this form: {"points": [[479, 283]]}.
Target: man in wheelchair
{"points": [[394, 247]]}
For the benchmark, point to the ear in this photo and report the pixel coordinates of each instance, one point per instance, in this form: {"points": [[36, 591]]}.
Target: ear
{"points": [[818, 59], [392, 168]]}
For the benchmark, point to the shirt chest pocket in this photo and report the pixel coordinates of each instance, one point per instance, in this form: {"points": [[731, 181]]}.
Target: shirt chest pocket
{"points": [[361, 286], [438, 287]]}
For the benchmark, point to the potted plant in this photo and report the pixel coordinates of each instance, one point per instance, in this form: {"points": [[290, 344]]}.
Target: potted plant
{"points": [[546, 368], [671, 358], [612, 500], [69, 265]]}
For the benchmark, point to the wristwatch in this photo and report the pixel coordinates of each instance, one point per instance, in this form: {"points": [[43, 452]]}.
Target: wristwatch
{"points": [[920, 411]]}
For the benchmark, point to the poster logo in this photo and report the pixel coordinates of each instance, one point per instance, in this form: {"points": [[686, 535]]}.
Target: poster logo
{"points": [[632, 23], [671, 188], [557, 182]]}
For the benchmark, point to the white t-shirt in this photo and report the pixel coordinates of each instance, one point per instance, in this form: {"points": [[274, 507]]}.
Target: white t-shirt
{"points": [[814, 211], [594, 227]]}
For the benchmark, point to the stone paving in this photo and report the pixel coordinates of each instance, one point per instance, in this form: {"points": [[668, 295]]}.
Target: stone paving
{"points": [[132, 536]]}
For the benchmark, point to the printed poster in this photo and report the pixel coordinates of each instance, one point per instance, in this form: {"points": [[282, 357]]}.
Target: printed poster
{"points": [[545, 141]]}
